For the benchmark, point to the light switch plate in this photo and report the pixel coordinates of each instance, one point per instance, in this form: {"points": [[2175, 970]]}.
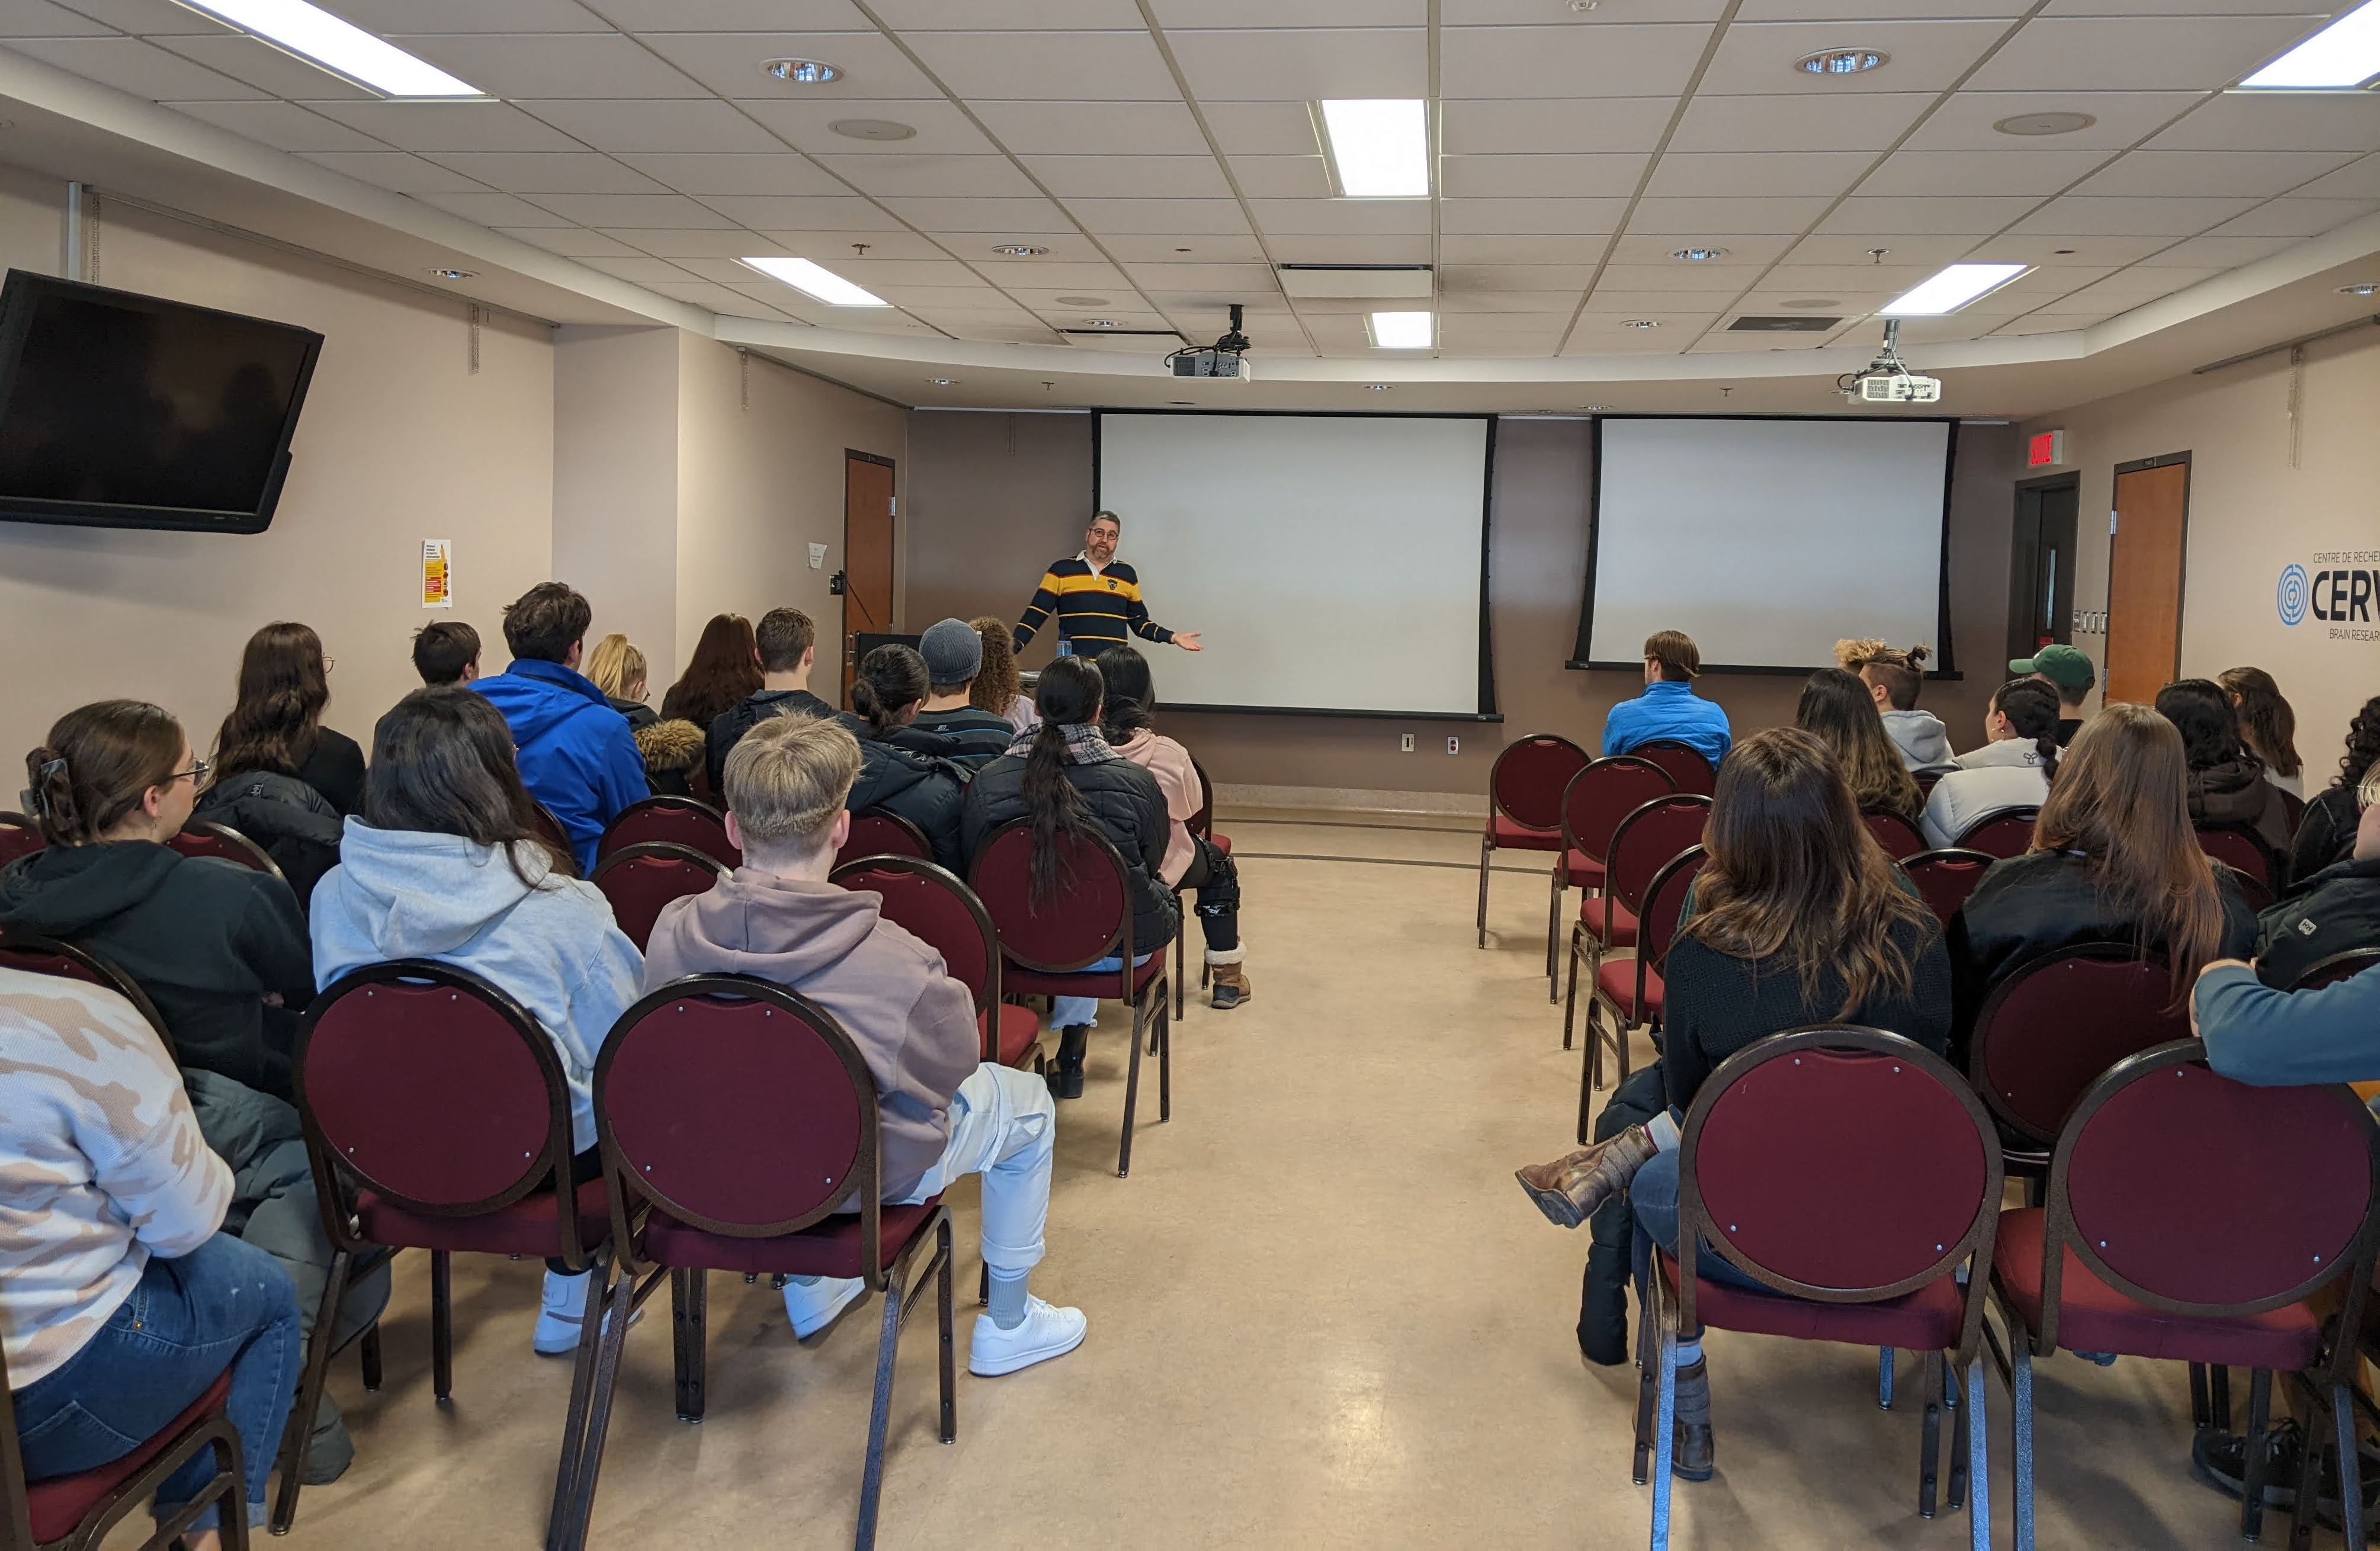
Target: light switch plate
{"points": [[818, 556]]}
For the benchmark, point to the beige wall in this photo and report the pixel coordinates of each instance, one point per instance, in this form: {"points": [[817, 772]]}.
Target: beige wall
{"points": [[995, 497], [2253, 511], [615, 477]]}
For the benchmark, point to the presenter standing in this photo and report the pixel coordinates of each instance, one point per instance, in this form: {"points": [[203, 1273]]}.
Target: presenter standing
{"points": [[1096, 600]]}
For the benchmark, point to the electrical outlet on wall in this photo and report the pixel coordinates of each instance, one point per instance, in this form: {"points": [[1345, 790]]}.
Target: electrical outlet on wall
{"points": [[1407, 743], [818, 556], [1454, 745]]}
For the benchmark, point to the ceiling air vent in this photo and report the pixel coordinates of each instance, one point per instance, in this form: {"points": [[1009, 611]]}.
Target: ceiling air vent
{"points": [[1770, 323]]}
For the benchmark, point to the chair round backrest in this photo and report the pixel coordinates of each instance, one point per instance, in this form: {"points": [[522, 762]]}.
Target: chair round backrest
{"points": [[679, 820], [1900, 838], [2198, 1195], [1841, 1163], [1683, 763], [932, 905], [1604, 793], [1650, 836], [2244, 852], [1527, 781], [1089, 917], [736, 1106], [1665, 902], [2056, 1022], [1202, 823], [202, 838], [2003, 832], [1927, 780], [20, 836], [1947, 877], [2334, 969], [433, 1087], [45, 955], [639, 879], [882, 833]]}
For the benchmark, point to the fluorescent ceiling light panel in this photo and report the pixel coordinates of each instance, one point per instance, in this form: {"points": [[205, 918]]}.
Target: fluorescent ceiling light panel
{"points": [[2344, 54], [1379, 146], [1402, 330], [338, 46], [1950, 290], [813, 280]]}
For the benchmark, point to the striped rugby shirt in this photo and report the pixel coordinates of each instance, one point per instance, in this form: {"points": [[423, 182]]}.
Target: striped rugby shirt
{"points": [[1095, 609]]}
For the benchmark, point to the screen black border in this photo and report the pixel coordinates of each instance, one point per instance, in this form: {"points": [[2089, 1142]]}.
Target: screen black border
{"points": [[18, 297]]}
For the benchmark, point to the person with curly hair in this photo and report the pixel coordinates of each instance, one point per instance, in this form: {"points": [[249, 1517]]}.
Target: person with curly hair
{"points": [[2325, 833]]}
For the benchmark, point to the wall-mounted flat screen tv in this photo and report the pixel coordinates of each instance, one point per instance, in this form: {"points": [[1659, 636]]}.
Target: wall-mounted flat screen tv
{"points": [[120, 410]]}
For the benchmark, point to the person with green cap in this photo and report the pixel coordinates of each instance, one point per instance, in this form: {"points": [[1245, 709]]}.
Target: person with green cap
{"points": [[2067, 670]]}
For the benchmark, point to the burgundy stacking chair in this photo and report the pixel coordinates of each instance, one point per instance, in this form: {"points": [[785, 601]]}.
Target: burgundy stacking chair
{"points": [[2321, 973], [1683, 762], [437, 1117], [2244, 852], [1202, 824], [2189, 1220], [2004, 832], [639, 879], [1629, 991], [75, 1512], [943, 913], [1048, 953], [1927, 780], [44, 955], [680, 820], [1524, 794], [200, 838], [1645, 839], [1947, 877], [1900, 838], [882, 833], [1855, 1173], [1594, 803], [20, 836], [741, 1121]]}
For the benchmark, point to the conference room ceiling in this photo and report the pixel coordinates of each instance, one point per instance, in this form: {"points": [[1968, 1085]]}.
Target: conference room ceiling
{"points": [[1161, 157]]}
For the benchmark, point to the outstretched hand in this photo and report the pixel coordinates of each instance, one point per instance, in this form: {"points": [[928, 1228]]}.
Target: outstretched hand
{"points": [[1187, 640]]}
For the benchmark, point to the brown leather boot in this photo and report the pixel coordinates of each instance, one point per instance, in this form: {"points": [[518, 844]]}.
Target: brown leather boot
{"points": [[1569, 1189], [1230, 985]]}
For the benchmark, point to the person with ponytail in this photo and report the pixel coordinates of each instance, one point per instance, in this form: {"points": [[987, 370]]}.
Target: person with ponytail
{"points": [[2227, 779], [886, 691], [2267, 726], [273, 749], [1068, 782], [900, 770], [2014, 769]]}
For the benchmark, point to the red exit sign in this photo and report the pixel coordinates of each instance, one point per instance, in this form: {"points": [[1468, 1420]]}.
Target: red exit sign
{"points": [[2045, 451]]}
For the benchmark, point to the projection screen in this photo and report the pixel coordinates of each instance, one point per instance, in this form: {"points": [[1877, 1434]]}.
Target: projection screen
{"points": [[1330, 563], [1767, 540]]}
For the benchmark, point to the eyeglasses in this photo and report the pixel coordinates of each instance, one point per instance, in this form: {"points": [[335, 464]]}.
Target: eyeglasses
{"points": [[197, 772], [329, 663]]}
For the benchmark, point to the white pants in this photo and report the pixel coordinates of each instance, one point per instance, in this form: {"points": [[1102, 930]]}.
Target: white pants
{"points": [[1005, 1127]]}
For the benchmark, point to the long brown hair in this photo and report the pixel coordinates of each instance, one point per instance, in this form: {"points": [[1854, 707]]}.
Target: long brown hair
{"points": [[98, 763], [2120, 800], [1793, 871], [277, 711], [724, 669], [997, 684], [2266, 722], [441, 763], [1837, 707], [1068, 695]]}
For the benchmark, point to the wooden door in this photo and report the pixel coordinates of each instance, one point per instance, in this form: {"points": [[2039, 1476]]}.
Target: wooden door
{"points": [[2145, 569], [867, 553]]}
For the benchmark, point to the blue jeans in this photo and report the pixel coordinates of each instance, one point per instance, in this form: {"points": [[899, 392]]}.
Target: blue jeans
{"points": [[1653, 1196], [1066, 1011], [226, 1305]]}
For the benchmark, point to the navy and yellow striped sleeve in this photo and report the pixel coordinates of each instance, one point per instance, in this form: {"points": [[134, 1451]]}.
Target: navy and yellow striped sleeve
{"points": [[1036, 613], [1135, 614]]}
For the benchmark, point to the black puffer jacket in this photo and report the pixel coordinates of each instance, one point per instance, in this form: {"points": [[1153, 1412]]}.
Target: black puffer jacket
{"points": [[927, 792], [2237, 793], [2338, 910], [1124, 801], [2325, 834], [294, 824]]}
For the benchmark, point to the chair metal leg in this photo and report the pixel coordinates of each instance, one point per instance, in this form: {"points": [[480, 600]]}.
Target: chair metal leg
{"points": [[1486, 849], [299, 1429], [617, 1308], [1164, 1063], [1553, 921], [1930, 1451], [2218, 1396], [887, 1343], [442, 1323], [2202, 1415], [2257, 1461], [1884, 1356], [1181, 935], [2350, 1464], [2021, 1446], [1569, 998], [1131, 1101], [2302, 1516], [1954, 1397], [367, 1352], [1665, 1422], [1979, 1460], [689, 1326], [1648, 1368], [574, 1422], [950, 1344], [1588, 1072]]}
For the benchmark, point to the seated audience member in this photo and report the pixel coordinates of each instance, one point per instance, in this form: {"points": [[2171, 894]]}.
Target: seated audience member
{"points": [[1798, 918], [2257, 1034], [2325, 830], [724, 670], [446, 652], [1190, 863], [1893, 679], [999, 688], [2267, 726], [673, 749], [1068, 782], [2335, 911], [576, 755], [617, 668], [272, 737], [886, 697], [120, 1299], [446, 863], [284, 685], [1836, 710], [927, 792], [2012, 769], [2113, 861], [953, 655], [942, 1114], [1668, 710], [2227, 782], [787, 643], [2067, 671]]}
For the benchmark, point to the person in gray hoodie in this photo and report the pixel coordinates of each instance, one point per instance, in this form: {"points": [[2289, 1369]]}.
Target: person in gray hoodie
{"points": [[445, 863], [1894, 677], [942, 1112]]}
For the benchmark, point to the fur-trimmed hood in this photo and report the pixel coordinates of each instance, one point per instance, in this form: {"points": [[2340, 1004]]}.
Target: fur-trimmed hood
{"points": [[670, 746]]}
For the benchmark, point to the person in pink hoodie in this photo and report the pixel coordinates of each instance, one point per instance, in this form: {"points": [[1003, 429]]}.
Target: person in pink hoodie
{"points": [[942, 1112]]}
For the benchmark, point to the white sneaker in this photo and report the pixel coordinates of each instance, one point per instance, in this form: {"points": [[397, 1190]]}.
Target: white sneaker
{"points": [[1046, 1331], [562, 1314], [813, 1305]]}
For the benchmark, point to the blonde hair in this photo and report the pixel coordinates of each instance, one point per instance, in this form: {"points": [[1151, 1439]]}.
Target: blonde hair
{"points": [[613, 665], [787, 777]]}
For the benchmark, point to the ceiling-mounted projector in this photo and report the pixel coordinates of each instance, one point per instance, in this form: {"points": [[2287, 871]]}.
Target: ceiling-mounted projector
{"points": [[1886, 378], [1223, 360]]}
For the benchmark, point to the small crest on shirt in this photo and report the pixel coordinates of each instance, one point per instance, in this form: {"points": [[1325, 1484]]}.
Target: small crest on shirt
{"points": [[2306, 928], [1112, 584]]}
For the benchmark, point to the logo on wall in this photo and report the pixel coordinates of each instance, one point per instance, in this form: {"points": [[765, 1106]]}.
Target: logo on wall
{"points": [[2342, 592], [2291, 598]]}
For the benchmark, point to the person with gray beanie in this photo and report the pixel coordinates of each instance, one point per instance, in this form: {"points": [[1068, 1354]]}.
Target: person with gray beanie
{"points": [[953, 655]]}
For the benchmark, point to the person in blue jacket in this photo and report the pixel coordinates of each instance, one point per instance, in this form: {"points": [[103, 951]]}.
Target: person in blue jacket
{"points": [[1670, 708], [575, 753]]}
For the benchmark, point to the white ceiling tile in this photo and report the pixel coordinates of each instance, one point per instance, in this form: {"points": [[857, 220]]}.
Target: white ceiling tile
{"points": [[839, 246], [702, 173], [2105, 53], [718, 15], [1926, 56], [1609, 61], [283, 125], [821, 213], [975, 16], [1174, 15], [2295, 217], [646, 124], [881, 275], [395, 169], [496, 209], [2064, 249], [1877, 10], [942, 128], [1512, 217], [1866, 121], [642, 268], [2032, 174], [1753, 173], [2038, 323], [571, 242], [451, 126], [1632, 283], [580, 172], [1478, 127], [1731, 216], [2132, 217], [150, 18], [704, 292], [2195, 8], [729, 64], [2139, 284], [945, 176], [1122, 128], [1589, 343], [1455, 279], [387, 16], [1231, 248], [646, 211], [1098, 298], [1152, 216], [1879, 281], [1964, 123], [1301, 65], [1051, 273], [1653, 247], [2357, 180], [2260, 174], [977, 215], [1303, 249], [1131, 177], [978, 298], [39, 19], [1263, 129], [1098, 66], [1512, 304], [1897, 215], [262, 66], [551, 63], [1569, 175], [1831, 248], [142, 69], [1539, 248], [2279, 121], [1327, 217], [2223, 252], [1282, 177], [1186, 278], [680, 242]]}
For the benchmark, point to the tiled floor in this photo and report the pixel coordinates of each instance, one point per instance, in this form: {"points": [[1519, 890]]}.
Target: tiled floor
{"points": [[1321, 1316]]}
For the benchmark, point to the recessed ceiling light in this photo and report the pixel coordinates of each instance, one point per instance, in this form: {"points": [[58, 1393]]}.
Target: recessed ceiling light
{"points": [[802, 72], [1640, 322], [1699, 255], [1843, 61], [1099, 322], [818, 282], [1811, 304], [338, 46], [1377, 387], [452, 273], [2045, 123], [872, 128], [1951, 289], [1402, 330], [1380, 147], [2345, 54], [1594, 408], [2361, 288], [1082, 301], [1018, 250], [943, 381]]}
